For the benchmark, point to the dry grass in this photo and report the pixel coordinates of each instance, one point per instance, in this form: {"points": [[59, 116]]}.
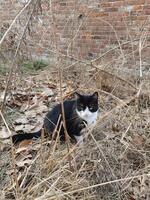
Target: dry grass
{"points": [[114, 161]]}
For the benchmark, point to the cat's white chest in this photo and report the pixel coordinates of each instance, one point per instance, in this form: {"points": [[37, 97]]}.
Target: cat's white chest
{"points": [[88, 116], [92, 119]]}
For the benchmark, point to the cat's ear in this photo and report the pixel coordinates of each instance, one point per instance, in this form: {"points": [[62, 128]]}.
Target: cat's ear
{"points": [[77, 95], [95, 95]]}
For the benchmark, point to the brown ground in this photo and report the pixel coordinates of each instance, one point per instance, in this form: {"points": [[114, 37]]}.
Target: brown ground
{"points": [[113, 163]]}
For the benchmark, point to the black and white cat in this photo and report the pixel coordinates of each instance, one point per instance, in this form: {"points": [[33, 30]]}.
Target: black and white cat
{"points": [[78, 113]]}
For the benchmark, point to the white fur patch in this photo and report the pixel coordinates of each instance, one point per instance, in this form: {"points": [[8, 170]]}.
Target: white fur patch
{"points": [[79, 139], [88, 116]]}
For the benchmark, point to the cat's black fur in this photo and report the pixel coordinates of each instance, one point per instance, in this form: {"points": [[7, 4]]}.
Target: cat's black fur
{"points": [[74, 124]]}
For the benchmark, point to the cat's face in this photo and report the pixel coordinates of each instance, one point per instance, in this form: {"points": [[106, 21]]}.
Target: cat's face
{"points": [[87, 107]]}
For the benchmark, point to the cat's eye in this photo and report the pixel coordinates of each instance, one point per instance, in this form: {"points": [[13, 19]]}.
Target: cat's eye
{"points": [[80, 107], [90, 108]]}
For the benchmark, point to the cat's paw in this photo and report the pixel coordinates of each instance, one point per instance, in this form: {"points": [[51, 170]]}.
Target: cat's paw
{"points": [[82, 125]]}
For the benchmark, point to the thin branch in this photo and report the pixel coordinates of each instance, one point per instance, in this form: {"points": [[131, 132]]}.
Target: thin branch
{"points": [[91, 63], [63, 118], [115, 76], [61, 93], [14, 59], [102, 184], [13, 22]]}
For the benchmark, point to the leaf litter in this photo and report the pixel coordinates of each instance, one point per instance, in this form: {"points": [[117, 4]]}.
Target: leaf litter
{"points": [[119, 153]]}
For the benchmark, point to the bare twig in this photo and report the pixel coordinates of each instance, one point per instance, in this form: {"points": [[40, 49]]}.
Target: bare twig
{"points": [[61, 94], [91, 63], [63, 118], [115, 76], [13, 22], [16, 53], [102, 184]]}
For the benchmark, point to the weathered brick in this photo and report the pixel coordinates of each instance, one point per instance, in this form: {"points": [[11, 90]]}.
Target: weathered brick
{"points": [[136, 2], [92, 32], [104, 4], [147, 11], [111, 9], [118, 3], [94, 14]]}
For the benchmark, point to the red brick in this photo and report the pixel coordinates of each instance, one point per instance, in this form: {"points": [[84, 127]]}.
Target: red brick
{"points": [[98, 14], [118, 3], [136, 2], [95, 32], [147, 11], [111, 9], [104, 4], [147, 2], [137, 7]]}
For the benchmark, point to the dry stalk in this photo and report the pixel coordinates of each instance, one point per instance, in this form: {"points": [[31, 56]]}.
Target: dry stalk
{"points": [[13, 22], [55, 133], [91, 63], [13, 157], [75, 35], [61, 94], [120, 105], [140, 55], [16, 53], [119, 44], [110, 50], [57, 137], [42, 181], [103, 155], [26, 174], [102, 184], [41, 147], [114, 75], [141, 45], [46, 194], [63, 118]]}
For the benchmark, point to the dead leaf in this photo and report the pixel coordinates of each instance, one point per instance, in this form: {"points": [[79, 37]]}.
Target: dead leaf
{"points": [[19, 127], [3, 145], [39, 108], [28, 128], [36, 147], [21, 149], [22, 120], [35, 102], [25, 144], [2, 96], [47, 92], [115, 127], [4, 133], [52, 85], [23, 159], [42, 108], [10, 172], [22, 163], [24, 107], [14, 183], [138, 140], [30, 113]]}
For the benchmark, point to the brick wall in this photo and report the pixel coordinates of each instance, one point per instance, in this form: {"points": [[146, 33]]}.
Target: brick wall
{"points": [[85, 29]]}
